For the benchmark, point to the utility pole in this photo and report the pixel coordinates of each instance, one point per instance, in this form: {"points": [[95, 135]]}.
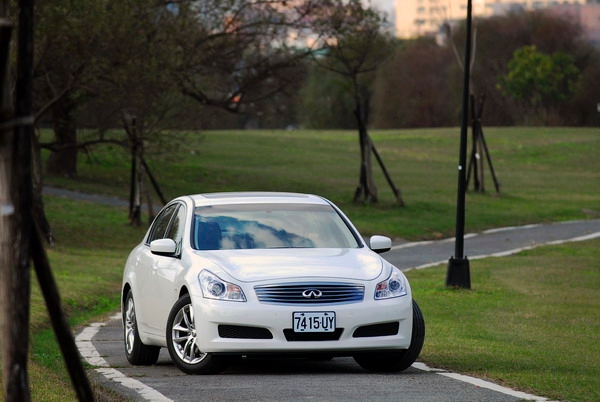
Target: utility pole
{"points": [[458, 273]]}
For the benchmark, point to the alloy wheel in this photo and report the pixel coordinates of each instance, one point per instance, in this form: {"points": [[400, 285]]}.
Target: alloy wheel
{"points": [[184, 336]]}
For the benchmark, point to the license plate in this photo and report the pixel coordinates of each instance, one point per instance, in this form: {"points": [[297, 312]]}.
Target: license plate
{"points": [[323, 321]]}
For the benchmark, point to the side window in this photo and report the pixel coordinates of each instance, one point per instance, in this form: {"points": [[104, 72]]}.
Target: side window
{"points": [[175, 231], [161, 223]]}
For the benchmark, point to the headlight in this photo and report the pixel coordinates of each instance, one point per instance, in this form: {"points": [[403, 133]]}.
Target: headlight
{"points": [[394, 286], [214, 287]]}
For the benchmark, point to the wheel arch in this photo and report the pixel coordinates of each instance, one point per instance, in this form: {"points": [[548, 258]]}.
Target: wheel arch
{"points": [[124, 292], [183, 291]]}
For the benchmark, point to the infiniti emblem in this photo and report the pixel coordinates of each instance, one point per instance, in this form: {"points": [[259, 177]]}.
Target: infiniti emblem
{"points": [[312, 293]]}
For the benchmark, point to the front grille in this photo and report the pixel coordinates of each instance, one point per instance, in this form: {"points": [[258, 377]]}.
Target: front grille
{"points": [[310, 293], [292, 336], [367, 331], [242, 332]]}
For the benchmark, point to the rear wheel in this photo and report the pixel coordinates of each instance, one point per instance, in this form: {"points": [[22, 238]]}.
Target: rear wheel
{"points": [[398, 360], [137, 353], [182, 342]]}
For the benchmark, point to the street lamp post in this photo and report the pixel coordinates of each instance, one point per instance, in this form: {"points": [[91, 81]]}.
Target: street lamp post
{"points": [[458, 273]]}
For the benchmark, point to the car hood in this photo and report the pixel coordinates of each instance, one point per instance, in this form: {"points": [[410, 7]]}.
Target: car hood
{"points": [[278, 264]]}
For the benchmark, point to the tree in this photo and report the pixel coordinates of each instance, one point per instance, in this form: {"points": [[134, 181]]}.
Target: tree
{"points": [[499, 37], [541, 81], [20, 238], [14, 250], [111, 52], [355, 46], [423, 76], [66, 41], [150, 58], [235, 53]]}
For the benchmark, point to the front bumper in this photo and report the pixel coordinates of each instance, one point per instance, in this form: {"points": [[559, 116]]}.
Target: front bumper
{"points": [[367, 325]]}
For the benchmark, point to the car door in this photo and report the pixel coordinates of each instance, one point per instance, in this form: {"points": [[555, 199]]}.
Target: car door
{"points": [[147, 265], [164, 271]]}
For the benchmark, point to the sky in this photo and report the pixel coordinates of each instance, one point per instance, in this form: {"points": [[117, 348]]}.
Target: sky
{"points": [[384, 5]]}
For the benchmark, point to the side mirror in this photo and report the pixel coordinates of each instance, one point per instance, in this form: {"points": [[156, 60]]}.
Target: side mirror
{"points": [[166, 247], [380, 244]]}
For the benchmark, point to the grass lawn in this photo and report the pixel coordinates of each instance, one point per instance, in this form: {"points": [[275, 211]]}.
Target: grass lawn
{"points": [[530, 321], [547, 174]]}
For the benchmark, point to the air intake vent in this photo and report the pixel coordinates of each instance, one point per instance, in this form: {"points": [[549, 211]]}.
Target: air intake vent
{"points": [[292, 336], [387, 329], [242, 332]]}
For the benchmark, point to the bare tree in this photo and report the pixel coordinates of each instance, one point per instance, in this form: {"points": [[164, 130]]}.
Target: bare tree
{"points": [[237, 53], [355, 48]]}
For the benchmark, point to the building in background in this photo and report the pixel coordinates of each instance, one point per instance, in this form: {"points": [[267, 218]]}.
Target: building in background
{"points": [[427, 17], [585, 15]]}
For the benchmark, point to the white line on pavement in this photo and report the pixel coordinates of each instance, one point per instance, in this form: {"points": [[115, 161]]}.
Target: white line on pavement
{"points": [[89, 352], [512, 251], [480, 383]]}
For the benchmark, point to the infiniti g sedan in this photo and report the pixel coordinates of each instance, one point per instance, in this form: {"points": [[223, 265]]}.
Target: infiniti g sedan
{"points": [[224, 275]]}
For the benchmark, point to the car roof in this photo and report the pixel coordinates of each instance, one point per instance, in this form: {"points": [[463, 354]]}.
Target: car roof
{"points": [[255, 197]]}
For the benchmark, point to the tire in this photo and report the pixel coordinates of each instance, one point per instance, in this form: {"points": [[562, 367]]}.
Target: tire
{"points": [[137, 353], [181, 342], [397, 360]]}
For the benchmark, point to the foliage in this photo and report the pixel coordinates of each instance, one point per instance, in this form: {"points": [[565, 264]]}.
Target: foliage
{"points": [[421, 85], [354, 45], [324, 102], [497, 39], [108, 57], [540, 80], [340, 82], [166, 63], [417, 87], [352, 37]]}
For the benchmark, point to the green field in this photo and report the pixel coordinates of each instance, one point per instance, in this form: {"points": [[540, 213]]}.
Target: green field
{"points": [[530, 321], [546, 174]]}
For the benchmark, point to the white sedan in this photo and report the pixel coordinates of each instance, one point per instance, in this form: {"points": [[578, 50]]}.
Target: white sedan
{"points": [[224, 275]]}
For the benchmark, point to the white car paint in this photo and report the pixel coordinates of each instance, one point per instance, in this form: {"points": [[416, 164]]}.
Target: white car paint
{"points": [[157, 281]]}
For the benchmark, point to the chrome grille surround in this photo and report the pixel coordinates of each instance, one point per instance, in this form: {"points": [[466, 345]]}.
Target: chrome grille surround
{"points": [[318, 293]]}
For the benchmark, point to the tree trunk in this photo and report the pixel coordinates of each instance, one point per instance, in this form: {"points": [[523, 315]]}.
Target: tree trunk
{"points": [[14, 216], [366, 190], [63, 160]]}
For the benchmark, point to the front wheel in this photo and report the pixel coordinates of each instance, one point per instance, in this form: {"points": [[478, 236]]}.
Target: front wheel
{"points": [[394, 361], [137, 353], [182, 341]]}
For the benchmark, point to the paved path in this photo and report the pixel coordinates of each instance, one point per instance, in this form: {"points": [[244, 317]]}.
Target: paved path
{"points": [[340, 379], [492, 243], [77, 195]]}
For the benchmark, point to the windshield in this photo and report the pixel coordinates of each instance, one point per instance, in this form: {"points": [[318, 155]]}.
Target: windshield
{"points": [[251, 226]]}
